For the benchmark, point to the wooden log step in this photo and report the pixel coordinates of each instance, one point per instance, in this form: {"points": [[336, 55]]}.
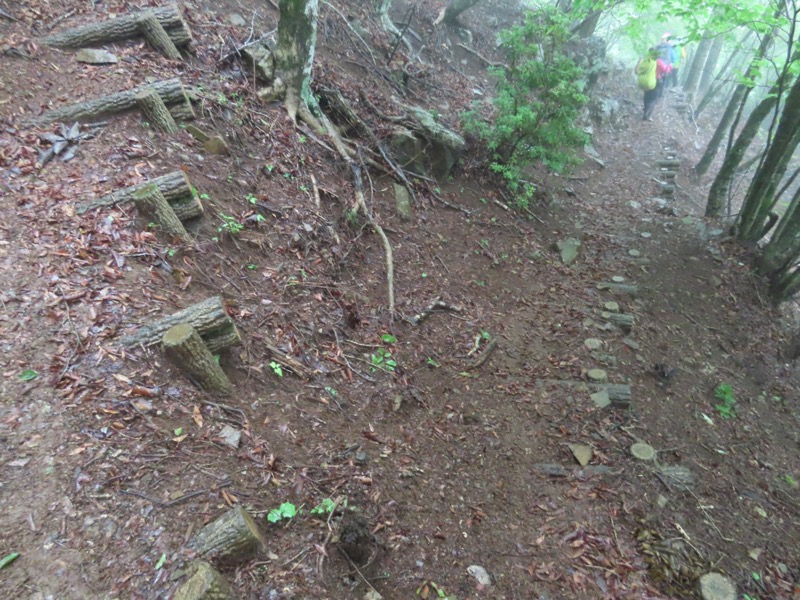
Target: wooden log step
{"points": [[174, 186], [151, 203], [669, 163], [668, 174], [621, 320], [157, 36], [618, 393], [208, 317], [667, 189], [186, 350], [233, 537], [155, 111], [122, 28], [618, 288], [170, 90], [205, 583]]}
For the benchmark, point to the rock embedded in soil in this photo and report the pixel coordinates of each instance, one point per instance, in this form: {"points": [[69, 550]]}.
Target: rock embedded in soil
{"points": [[678, 477], [593, 343], [597, 375], [601, 399], [646, 234], [568, 249], [216, 145], [205, 584], [582, 453], [714, 586], [96, 57], [230, 436], [402, 202], [480, 574], [643, 451]]}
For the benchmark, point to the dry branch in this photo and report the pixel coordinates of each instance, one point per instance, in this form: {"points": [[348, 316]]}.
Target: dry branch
{"points": [[208, 317], [170, 90], [435, 306], [122, 28]]}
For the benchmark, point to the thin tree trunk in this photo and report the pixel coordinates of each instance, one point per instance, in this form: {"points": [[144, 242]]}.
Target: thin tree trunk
{"points": [[453, 10], [707, 76], [734, 62], [294, 53], [759, 200], [700, 56], [739, 96]]}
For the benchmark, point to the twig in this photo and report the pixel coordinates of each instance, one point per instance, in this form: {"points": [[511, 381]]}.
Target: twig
{"points": [[485, 356], [483, 58], [437, 304], [324, 552]]}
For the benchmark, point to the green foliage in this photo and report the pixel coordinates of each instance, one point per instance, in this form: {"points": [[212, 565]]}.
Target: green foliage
{"points": [[8, 559], [382, 359], [726, 409], [28, 375], [276, 368], [287, 510], [538, 99], [230, 225], [326, 507]]}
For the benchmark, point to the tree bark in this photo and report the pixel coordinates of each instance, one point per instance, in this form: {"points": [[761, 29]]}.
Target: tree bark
{"points": [[382, 10], [157, 36], [152, 204], [453, 10], [294, 53], [759, 199], [699, 62], [186, 350], [208, 317], [205, 583], [174, 186], [710, 66], [233, 537], [734, 63], [155, 111], [170, 90], [738, 98], [122, 28], [720, 188]]}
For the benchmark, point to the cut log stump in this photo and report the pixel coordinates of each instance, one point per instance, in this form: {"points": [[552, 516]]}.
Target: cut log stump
{"points": [[233, 537], [152, 204], [174, 186], [170, 90], [208, 317], [122, 28], [155, 111], [155, 34], [618, 393], [186, 350], [621, 320], [668, 163], [205, 583], [618, 288]]}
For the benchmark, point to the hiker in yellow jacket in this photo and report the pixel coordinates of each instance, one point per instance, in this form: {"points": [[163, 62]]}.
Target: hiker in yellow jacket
{"points": [[650, 73]]}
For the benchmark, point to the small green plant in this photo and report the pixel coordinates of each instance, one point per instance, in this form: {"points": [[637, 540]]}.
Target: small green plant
{"points": [[287, 510], [539, 98], [269, 168], [229, 225], [28, 375], [432, 362], [791, 481], [484, 244], [331, 391], [485, 335], [251, 198], [388, 338], [726, 409], [382, 359], [352, 218], [326, 507], [161, 561], [276, 368]]}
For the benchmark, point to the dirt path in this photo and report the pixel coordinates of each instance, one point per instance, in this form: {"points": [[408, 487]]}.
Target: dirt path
{"points": [[111, 462]]}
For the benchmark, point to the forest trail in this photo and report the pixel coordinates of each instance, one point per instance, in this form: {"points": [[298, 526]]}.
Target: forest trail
{"points": [[469, 449]]}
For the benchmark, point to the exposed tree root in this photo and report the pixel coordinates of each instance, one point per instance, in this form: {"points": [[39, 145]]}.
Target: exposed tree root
{"points": [[435, 306]]}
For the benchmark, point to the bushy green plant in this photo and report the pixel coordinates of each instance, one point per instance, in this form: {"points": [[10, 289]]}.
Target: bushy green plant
{"points": [[537, 102]]}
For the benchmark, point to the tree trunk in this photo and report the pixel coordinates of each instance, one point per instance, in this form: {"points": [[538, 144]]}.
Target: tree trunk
{"points": [[707, 75], [208, 317], [738, 98], [733, 63], [186, 350], [721, 186], [759, 199], [294, 53], [122, 28], [699, 62], [174, 186], [382, 10], [454, 8], [170, 90]]}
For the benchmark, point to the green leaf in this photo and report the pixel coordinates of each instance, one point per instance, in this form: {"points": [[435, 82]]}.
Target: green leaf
{"points": [[178, 431], [8, 559], [161, 561], [28, 375], [388, 338]]}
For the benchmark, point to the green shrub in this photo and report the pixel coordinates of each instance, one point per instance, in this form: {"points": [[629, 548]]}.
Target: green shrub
{"points": [[537, 102]]}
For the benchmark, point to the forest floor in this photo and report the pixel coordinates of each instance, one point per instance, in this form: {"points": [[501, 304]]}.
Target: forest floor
{"points": [[464, 452]]}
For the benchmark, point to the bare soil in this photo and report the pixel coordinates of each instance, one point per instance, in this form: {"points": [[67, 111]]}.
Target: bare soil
{"points": [[111, 460]]}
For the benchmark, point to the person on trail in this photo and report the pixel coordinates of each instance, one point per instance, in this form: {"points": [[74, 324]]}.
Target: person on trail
{"points": [[668, 54], [650, 73], [680, 58]]}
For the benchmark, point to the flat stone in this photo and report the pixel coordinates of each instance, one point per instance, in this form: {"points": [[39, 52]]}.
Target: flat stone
{"points": [[646, 234], [634, 204], [551, 470], [643, 451], [593, 343], [96, 57], [568, 248], [230, 436], [582, 453], [601, 399], [197, 133], [237, 20], [714, 586], [597, 375], [617, 279], [662, 501], [480, 574], [611, 306], [216, 145], [633, 252]]}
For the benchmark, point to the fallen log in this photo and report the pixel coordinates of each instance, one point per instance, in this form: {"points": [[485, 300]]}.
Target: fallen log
{"points": [[668, 163], [623, 321], [151, 203], [155, 111], [157, 36], [208, 317], [170, 90], [174, 186], [122, 28], [205, 583], [186, 350], [233, 537], [619, 288]]}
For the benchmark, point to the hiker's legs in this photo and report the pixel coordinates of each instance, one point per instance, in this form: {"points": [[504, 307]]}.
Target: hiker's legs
{"points": [[650, 99]]}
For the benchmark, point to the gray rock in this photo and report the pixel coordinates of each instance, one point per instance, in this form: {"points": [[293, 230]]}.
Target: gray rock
{"points": [[568, 248], [230, 436], [237, 20], [444, 146], [407, 148], [216, 145], [96, 57], [259, 58], [197, 133], [403, 202], [593, 343], [714, 586], [597, 375], [601, 399], [480, 574]]}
